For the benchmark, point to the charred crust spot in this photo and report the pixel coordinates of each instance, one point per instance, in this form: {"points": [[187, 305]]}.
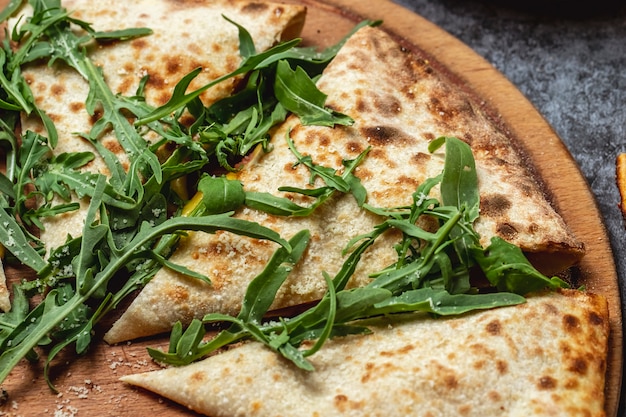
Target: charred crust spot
{"points": [[97, 114], [402, 351], [156, 82], [354, 147], [138, 43], [550, 308], [377, 153], [411, 182], [429, 136], [571, 383], [546, 383], [421, 158], [216, 47], [595, 319], [571, 323], [187, 120], [163, 98], [494, 328], [113, 146], [178, 294], [579, 366], [309, 137], [494, 396], [125, 85], [172, 65], [450, 381], [465, 409], [55, 117], [197, 377], [323, 140], [362, 105], [437, 107], [340, 401], [383, 135], [507, 230], [57, 89], [289, 168], [76, 106], [502, 366], [232, 63], [254, 7], [387, 105], [494, 205]]}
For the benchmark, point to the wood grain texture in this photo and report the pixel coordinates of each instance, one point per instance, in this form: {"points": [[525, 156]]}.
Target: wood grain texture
{"points": [[89, 385]]}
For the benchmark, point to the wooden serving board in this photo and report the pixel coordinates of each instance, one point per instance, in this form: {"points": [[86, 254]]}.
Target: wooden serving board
{"points": [[89, 386]]}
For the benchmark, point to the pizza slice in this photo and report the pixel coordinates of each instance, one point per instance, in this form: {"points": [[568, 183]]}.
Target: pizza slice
{"points": [[399, 104], [545, 357], [185, 36]]}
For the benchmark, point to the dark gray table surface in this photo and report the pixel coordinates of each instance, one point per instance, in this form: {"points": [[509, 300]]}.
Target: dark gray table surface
{"points": [[570, 62]]}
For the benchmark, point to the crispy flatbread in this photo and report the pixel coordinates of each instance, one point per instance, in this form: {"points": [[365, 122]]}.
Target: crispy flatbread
{"points": [[542, 358], [399, 103], [186, 35]]}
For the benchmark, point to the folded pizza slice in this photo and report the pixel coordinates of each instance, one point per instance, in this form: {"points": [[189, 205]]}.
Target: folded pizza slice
{"points": [[545, 357], [399, 104], [185, 36]]}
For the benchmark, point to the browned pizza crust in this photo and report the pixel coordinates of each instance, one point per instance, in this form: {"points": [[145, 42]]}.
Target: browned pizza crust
{"points": [[399, 104], [543, 358]]}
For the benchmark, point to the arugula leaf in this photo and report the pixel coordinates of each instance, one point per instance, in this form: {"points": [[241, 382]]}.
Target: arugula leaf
{"points": [[297, 92], [220, 195], [459, 188], [60, 176], [507, 269], [262, 290], [442, 303]]}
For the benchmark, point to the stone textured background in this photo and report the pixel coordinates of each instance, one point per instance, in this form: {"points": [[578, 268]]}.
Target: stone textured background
{"points": [[570, 62]]}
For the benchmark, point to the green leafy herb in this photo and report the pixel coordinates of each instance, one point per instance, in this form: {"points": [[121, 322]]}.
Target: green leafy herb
{"points": [[220, 195], [297, 92]]}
